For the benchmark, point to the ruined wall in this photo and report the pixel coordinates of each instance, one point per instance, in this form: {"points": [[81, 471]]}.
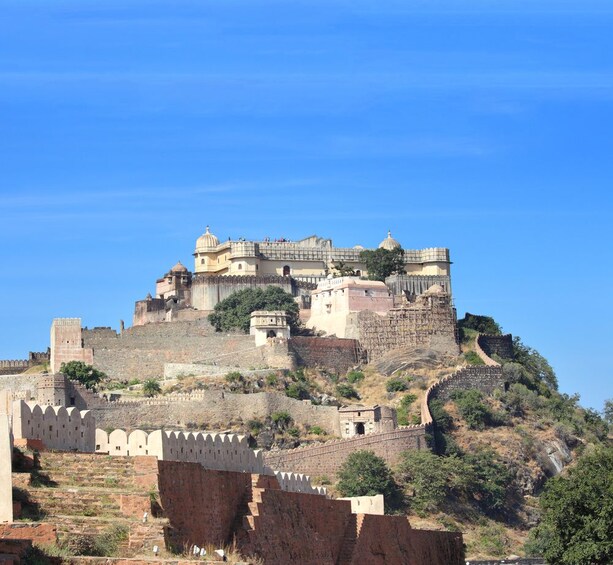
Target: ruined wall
{"points": [[501, 345], [330, 353], [431, 323], [211, 408], [326, 459], [65, 429]]}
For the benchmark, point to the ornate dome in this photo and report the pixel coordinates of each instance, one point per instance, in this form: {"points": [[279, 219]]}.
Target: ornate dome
{"points": [[389, 242], [206, 241], [179, 268]]}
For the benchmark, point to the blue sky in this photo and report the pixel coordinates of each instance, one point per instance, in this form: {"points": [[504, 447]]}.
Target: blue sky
{"points": [[482, 126]]}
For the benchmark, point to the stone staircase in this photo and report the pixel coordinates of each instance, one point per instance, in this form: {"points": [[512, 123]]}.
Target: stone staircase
{"points": [[352, 531], [93, 494]]}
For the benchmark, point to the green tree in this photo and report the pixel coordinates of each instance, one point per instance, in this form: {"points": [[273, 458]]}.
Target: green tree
{"points": [[83, 373], [381, 263], [424, 475], [151, 388], [235, 311], [535, 364], [577, 513], [365, 474], [482, 324]]}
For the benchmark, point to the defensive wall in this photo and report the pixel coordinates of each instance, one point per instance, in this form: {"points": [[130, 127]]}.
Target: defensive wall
{"points": [[428, 323], [16, 366], [210, 408], [501, 345], [208, 290], [486, 378], [64, 429], [330, 353], [327, 458], [212, 507], [142, 351], [219, 452]]}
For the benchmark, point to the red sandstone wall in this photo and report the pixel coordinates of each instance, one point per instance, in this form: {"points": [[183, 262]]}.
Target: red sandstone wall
{"points": [[286, 528], [201, 505]]}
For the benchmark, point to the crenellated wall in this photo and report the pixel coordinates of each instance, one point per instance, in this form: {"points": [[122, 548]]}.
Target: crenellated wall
{"points": [[486, 378], [64, 429], [501, 345], [327, 458], [214, 451]]}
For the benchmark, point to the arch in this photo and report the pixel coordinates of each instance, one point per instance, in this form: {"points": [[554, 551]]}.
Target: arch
{"points": [[286, 271], [359, 429], [271, 333]]}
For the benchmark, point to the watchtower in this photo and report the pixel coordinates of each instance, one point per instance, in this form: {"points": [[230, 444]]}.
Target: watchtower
{"points": [[268, 324]]}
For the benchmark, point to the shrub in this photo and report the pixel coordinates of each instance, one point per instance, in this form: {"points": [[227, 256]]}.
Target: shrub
{"points": [[294, 432], [255, 426], [281, 419], [317, 430], [299, 391], [472, 358], [475, 413], [480, 324], [396, 385], [423, 473], [347, 391], [234, 377], [355, 377], [403, 408], [365, 474], [151, 388], [271, 379]]}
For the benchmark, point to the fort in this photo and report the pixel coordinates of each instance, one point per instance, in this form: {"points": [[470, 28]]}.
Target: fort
{"points": [[352, 321]]}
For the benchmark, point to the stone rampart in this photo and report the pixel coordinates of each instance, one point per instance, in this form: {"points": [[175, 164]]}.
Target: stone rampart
{"points": [[487, 379], [213, 507], [64, 429], [211, 408], [329, 353], [13, 366], [214, 451], [209, 290], [142, 351], [327, 458], [501, 345]]}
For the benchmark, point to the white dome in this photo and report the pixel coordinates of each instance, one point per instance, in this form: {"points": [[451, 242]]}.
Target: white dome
{"points": [[389, 242], [207, 241]]}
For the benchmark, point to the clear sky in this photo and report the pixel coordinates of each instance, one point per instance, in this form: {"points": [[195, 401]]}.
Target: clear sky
{"points": [[483, 126]]}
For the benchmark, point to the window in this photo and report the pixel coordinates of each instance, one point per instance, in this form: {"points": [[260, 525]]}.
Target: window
{"points": [[202, 261]]}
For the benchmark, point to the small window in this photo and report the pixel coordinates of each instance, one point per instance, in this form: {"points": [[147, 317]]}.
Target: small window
{"points": [[202, 261], [240, 266]]}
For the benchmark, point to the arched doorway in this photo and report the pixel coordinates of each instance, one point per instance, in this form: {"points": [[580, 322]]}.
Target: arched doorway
{"points": [[271, 333], [286, 271], [359, 429]]}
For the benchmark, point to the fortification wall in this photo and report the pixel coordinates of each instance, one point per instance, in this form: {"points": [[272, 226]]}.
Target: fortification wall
{"points": [[13, 366], [326, 459], [429, 325], [208, 290], [213, 451], [211, 507], [142, 351], [487, 379], [330, 353], [501, 345], [64, 429], [211, 408]]}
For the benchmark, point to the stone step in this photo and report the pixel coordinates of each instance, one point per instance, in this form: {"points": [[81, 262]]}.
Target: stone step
{"points": [[75, 502]]}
